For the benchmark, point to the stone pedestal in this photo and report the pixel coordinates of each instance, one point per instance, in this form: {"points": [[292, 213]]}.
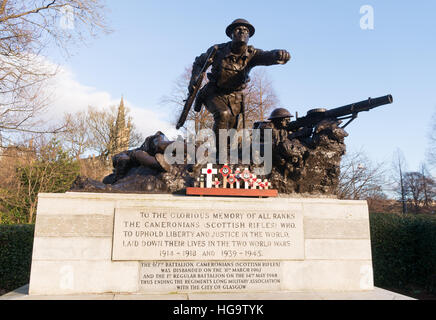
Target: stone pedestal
{"points": [[159, 244]]}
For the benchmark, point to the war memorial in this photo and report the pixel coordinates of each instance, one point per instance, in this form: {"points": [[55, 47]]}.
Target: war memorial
{"points": [[214, 214]]}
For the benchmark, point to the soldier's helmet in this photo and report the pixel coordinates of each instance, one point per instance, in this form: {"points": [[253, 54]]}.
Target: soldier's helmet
{"points": [[240, 22], [280, 113]]}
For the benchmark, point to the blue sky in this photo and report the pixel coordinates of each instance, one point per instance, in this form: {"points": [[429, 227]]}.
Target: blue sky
{"points": [[334, 62]]}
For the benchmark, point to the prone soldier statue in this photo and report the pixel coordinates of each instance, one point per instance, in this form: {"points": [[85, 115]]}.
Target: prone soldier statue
{"points": [[231, 64]]}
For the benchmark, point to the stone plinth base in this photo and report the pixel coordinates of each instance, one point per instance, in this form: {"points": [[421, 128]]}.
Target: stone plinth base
{"points": [[159, 244], [376, 294]]}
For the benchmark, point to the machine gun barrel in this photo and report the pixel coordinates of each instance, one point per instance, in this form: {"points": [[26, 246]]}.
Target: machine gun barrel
{"points": [[346, 112], [355, 108]]}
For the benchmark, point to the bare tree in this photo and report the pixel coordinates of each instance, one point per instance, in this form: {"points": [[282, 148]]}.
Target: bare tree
{"points": [[428, 185], [360, 178], [76, 135], [260, 99], [399, 168], [27, 27], [93, 132], [420, 190], [431, 150], [413, 187], [100, 123]]}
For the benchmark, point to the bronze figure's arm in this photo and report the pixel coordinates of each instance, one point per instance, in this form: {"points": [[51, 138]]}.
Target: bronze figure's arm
{"points": [[269, 58], [197, 67]]}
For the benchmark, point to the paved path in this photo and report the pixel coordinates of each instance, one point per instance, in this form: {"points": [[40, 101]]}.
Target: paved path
{"points": [[376, 294]]}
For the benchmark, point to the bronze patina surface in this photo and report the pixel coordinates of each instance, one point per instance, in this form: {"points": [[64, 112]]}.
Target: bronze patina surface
{"points": [[306, 152], [232, 62]]}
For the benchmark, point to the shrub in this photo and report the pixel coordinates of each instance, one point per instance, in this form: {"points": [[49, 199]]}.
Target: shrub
{"points": [[16, 243], [46, 169], [404, 251]]}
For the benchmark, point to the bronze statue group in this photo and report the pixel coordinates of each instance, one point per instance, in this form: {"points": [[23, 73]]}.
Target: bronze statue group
{"points": [[306, 152]]}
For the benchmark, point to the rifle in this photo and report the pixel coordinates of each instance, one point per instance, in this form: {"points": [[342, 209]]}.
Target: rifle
{"points": [[193, 95], [350, 111]]}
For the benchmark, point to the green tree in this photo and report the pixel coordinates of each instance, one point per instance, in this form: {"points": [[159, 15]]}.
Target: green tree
{"points": [[48, 169]]}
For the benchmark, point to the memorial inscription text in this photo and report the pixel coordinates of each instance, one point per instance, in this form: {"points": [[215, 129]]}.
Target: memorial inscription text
{"points": [[167, 234]]}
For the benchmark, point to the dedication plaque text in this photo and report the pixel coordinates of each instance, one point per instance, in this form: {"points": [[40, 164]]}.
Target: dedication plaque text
{"points": [[210, 276], [183, 234]]}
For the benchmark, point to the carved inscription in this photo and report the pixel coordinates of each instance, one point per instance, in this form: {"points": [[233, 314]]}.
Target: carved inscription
{"points": [[207, 276], [165, 234]]}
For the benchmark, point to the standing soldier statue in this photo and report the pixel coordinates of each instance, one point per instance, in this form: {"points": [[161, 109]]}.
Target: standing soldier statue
{"points": [[231, 64]]}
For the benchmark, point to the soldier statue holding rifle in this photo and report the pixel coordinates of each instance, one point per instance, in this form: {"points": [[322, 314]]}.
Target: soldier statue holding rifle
{"points": [[231, 64], [306, 151]]}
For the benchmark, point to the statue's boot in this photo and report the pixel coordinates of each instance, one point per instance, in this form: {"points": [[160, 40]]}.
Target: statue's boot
{"points": [[160, 158]]}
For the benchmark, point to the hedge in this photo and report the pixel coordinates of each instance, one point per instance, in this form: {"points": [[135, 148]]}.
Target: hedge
{"points": [[16, 243], [404, 251]]}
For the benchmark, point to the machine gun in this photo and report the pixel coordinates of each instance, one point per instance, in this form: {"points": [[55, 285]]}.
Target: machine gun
{"points": [[350, 112], [303, 127]]}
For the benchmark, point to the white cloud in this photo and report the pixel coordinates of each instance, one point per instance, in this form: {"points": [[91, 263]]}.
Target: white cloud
{"points": [[67, 95]]}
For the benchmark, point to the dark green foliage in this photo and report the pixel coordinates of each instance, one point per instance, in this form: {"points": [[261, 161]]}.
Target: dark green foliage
{"points": [[404, 251], [16, 243], [13, 214], [50, 169]]}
